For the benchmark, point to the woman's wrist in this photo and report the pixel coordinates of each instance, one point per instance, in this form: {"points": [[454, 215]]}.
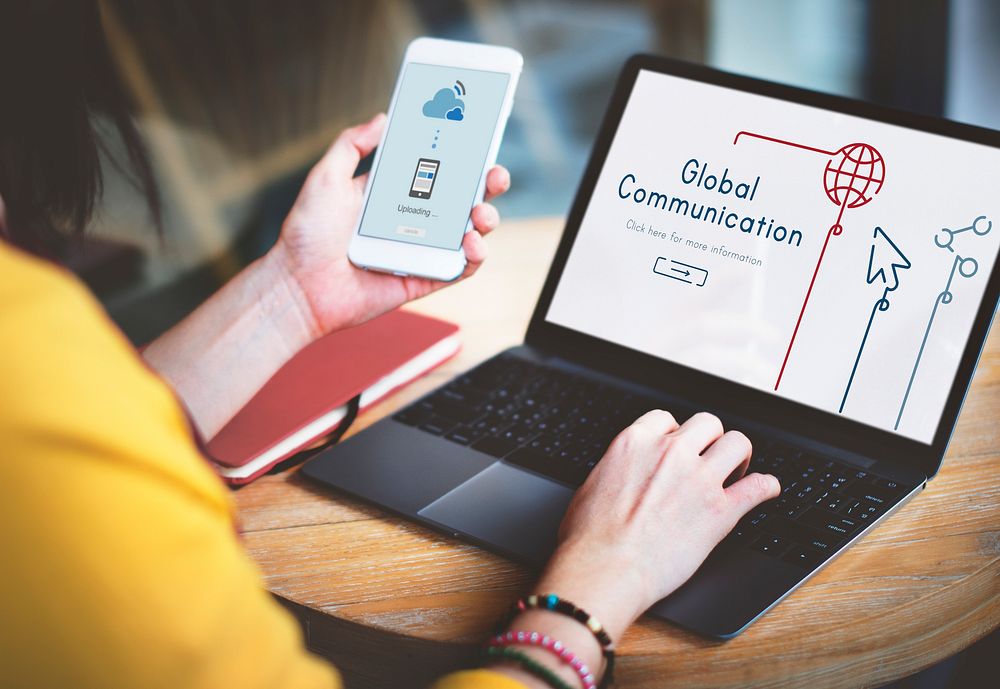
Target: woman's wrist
{"points": [[220, 355], [610, 590], [277, 274]]}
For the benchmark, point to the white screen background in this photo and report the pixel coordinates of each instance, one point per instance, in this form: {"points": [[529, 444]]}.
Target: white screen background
{"points": [[738, 325]]}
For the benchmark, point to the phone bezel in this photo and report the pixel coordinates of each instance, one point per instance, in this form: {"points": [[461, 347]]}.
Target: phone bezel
{"points": [[401, 258]]}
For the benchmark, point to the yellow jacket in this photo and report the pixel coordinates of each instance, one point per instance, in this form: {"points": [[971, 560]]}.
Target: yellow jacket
{"points": [[120, 562]]}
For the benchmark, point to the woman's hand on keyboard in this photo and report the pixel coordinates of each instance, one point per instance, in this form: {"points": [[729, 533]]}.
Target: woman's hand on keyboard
{"points": [[650, 513]]}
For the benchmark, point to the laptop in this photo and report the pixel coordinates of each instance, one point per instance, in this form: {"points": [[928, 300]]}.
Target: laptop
{"points": [[817, 271]]}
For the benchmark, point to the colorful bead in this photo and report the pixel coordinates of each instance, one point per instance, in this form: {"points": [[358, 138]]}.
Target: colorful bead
{"points": [[552, 602], [504, 641]]}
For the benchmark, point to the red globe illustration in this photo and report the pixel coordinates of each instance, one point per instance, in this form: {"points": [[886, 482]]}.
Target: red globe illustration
{"points": [[854, 176]]}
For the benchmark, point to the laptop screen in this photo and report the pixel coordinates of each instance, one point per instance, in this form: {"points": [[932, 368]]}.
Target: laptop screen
{"points": [[829, 259]]}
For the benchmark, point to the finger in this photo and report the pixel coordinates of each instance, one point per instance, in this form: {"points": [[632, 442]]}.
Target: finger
{"points": [[729, 454], [658, 421], [351, 146], [701, 430], [750, 491], [475, 249], [485, 218], [497, 181]]}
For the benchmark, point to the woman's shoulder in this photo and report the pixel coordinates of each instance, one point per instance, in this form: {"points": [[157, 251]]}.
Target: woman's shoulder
{"points": [[52, 330], [25, 278], [69, 378]]}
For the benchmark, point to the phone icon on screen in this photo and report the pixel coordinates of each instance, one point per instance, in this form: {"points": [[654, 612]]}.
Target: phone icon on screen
{"points": [[423, 178]]}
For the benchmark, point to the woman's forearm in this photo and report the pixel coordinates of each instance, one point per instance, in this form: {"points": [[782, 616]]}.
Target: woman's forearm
{"points": [[219, 356]]}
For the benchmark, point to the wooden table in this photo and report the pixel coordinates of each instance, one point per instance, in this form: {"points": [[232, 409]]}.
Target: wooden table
{"points": [[394, 604]]}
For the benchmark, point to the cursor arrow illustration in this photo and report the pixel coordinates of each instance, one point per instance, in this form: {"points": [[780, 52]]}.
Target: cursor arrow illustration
{"points": [[884, 261], [885, 258]]}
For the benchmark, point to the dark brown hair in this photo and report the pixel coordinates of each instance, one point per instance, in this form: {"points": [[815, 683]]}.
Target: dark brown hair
{"points": [[56, 78]]}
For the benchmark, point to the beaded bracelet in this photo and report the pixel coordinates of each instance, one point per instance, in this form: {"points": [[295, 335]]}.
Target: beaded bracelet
{"points": [[556, 604], [529, 664], [551, 645]]}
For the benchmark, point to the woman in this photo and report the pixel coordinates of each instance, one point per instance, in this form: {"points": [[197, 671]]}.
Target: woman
{"points": [[122, 564]]}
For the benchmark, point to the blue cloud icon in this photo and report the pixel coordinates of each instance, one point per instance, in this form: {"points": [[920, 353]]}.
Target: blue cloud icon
{"points": [[444, 105]]}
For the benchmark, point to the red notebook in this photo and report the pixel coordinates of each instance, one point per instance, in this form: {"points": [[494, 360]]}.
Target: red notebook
{"points": [[308, 398]]}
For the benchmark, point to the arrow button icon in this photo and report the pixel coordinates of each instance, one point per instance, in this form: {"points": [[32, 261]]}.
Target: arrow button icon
{"points": [[682, 272]]}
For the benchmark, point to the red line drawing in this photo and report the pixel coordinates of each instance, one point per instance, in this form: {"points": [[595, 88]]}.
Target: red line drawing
{"points": [[844, 189]]}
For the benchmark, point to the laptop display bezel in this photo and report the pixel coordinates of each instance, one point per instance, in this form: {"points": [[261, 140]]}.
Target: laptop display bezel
{"points": [[722, 395]]}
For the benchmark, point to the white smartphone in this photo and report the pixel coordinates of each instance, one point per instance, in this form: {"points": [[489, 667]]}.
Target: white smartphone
{"points": [[446, 120]]}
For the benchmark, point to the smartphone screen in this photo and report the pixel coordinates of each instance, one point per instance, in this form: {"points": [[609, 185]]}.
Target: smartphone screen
{"points": [[433, 155]]}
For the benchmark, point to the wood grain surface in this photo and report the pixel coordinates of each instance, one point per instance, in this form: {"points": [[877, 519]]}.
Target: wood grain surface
{"points": [[395, 604]]}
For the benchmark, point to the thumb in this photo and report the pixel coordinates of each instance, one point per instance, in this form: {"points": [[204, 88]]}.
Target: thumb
{"points": [[751, 490], [351, 146]]}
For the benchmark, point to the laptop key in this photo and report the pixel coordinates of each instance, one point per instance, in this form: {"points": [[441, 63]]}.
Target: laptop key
{"points": [[543, 464], [467, 396], [888, 486], [867, 492], [827, 521], [518, 433], [770, 545], [463, 435], [740, 534], [793, 509], [801, 534], [496, 447], [832, 502], [412, 416], [804, 557], [437, 425], [454, 410]]}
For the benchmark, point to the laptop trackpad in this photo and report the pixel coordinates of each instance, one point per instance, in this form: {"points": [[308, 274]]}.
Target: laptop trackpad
{"points": [[513, 510]]}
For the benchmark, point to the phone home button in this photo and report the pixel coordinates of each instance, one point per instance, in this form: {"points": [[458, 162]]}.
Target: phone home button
{"points": [[408, 231]]}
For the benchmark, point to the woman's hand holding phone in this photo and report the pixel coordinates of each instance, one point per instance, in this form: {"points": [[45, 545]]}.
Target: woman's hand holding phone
{"points": [[305, 287], [312, 248]]}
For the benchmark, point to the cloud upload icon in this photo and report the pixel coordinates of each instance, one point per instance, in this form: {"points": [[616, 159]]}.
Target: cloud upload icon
{"points": [[445, 106]]}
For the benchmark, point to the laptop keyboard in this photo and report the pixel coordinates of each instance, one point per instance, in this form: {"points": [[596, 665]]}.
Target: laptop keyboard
{"points": [[559, 425], [822, 506], [546, 420]]}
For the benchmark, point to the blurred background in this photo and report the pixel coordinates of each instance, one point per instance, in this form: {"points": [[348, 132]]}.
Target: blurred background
{"points": [[237, 98]]}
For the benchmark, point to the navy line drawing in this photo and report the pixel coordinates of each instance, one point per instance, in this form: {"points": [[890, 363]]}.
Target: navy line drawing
{"points": [[682, 272], [884, 260], [967, 267]]}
